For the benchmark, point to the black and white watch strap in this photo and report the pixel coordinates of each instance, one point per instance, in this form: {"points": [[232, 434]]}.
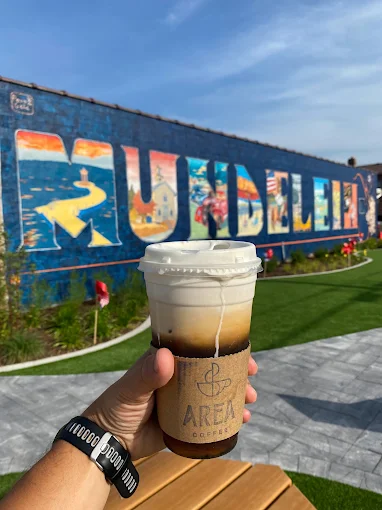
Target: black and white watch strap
{"points": [[104, 450]]}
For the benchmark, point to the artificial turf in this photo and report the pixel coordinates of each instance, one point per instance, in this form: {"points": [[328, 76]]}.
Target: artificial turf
{"points": [[7, 482], [329, 495]]}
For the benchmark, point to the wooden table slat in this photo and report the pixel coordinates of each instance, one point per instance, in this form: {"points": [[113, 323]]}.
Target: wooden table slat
{"points": [[292, 499], [256, 489], [197, 486], [155, 473], [139, 461]]}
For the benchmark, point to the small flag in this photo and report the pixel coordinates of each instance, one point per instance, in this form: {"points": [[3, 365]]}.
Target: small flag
{"points": [[102, 293], [271, 182]]}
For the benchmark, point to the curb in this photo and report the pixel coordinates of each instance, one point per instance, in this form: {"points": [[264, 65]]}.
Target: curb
{"points": [[52, 359], [367, 261]]}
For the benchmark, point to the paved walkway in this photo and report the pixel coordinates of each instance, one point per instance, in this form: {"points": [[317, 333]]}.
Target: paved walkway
{"points": [[319, 410]]}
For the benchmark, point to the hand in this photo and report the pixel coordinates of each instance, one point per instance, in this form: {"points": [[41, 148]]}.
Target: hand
{"points": [[126, 408]]}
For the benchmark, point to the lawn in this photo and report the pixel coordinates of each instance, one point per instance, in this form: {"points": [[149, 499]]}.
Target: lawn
{"points": [[286, 312], [324, 494], [329, 495], [7, 482]]}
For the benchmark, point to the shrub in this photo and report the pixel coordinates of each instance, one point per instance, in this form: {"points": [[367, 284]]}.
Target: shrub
{"points": [[138, 288], [67, 328], [337, 249], [379, 243], [127, 309], [321, 253], [271, 264], [315, 266], [42, 295], [368, 244], [106, 327], [21, 346], [297, 257], [77, 289]]}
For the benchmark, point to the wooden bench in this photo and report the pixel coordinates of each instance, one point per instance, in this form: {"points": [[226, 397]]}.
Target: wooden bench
{"points": [[169, 482]]}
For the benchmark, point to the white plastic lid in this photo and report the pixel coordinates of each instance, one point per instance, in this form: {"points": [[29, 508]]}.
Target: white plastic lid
{"points": [[208, 258]]}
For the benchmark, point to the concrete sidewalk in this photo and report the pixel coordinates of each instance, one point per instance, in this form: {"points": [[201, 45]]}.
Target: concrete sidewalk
{"points": [[319, 410]]}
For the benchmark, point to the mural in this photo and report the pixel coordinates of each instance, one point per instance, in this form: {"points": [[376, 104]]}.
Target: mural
{"points": [[368, 187], [321, 204], [205, 202], [64, 196], [336, 200], [155, 220], [72, 194], [249, 207], [298, 224], [350, 205], [277, 201]]}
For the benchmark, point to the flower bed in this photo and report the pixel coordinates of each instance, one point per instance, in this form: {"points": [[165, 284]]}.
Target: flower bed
{"points": [[39, 330], [321, 260]]}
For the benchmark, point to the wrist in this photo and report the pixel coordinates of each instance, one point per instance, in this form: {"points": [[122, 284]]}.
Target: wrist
{"points": [[87, 470], [100, 445]]}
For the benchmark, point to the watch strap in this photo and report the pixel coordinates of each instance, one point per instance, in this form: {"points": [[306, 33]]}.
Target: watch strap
{"points": [[104, 450]]}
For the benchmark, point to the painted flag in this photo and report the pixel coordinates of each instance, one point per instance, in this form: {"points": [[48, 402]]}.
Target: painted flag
{"points": [[271, 182], [102, 293]]}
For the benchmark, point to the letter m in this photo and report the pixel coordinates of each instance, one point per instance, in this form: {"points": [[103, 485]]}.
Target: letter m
{"points": [[73, 193]]}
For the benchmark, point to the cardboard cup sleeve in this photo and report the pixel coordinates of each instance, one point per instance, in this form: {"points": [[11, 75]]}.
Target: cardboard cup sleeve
{"points": [[204, 400]]}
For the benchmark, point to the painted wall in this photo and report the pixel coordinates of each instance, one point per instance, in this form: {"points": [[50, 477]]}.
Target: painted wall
{"points": [[86, 187]]}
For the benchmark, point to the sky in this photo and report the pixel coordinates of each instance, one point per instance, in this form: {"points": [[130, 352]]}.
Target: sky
{"points": [[300, 74]]}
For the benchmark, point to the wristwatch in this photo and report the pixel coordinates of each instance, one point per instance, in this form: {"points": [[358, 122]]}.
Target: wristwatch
{"points": [[104, 450]]}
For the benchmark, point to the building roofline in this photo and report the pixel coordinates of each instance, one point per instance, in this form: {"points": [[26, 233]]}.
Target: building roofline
{"points": [[164, 119]]}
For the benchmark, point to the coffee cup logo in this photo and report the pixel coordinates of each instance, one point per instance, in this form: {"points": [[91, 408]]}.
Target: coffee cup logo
{"points": [[213, 387]]}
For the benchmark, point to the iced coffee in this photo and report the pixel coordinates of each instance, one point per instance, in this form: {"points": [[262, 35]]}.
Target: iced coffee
{"points": [[200, 296]]}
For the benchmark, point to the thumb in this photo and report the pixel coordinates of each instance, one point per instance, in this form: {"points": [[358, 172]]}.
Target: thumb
{"points": [[150, 372]]}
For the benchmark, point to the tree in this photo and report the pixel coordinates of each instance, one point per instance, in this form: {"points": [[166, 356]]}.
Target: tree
{"points": [[143, 208]]}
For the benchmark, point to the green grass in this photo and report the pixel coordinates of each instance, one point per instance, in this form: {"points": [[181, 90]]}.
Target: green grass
{"points": [[297, 310], [286, 312], [329, 495], [7, 482], [323, 494]]}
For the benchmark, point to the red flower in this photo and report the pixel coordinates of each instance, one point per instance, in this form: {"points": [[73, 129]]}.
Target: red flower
{"points": [[269, 254], [102, 293]]}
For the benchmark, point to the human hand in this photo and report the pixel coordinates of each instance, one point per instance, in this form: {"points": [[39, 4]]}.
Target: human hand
{"points": [[126, 408]]}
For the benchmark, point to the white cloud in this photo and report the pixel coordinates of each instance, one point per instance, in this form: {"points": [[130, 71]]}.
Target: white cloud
{"points": [[310, 81], [182, 10]]}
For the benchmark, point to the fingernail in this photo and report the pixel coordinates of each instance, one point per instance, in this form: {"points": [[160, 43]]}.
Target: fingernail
{"points": [[156, 364]]}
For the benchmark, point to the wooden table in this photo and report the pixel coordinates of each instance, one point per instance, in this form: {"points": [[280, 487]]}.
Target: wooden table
{"points": [[169, 482]]}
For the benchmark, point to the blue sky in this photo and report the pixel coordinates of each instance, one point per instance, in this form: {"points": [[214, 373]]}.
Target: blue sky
{"points": [[302, 74]]}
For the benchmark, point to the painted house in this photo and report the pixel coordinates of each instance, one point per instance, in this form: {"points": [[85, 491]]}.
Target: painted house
{"points": [[165, 203]]}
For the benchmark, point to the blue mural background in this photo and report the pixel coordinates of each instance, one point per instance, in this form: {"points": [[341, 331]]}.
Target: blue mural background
{"points": [[71, 119]]}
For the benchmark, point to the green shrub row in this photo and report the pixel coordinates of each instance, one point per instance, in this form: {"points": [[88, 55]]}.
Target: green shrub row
{"points": [[322, 253]]}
